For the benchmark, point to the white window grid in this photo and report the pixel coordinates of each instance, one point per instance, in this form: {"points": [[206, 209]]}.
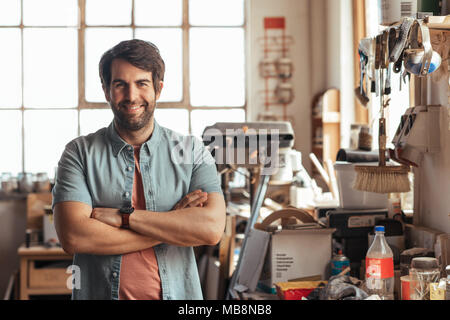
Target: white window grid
{"points": [[83, 104]]}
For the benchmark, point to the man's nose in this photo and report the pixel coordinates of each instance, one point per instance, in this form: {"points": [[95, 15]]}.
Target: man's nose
{"points": [[132, 93]]}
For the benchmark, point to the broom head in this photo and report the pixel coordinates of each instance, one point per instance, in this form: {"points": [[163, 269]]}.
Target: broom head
{"points": [[382, 179]]}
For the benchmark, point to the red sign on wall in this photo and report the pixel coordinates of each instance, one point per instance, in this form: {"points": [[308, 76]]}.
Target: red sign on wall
{"points": [[274, 23]]}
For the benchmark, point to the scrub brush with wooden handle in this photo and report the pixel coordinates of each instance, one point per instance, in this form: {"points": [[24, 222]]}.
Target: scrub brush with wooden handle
{"points": [[382, 178]]}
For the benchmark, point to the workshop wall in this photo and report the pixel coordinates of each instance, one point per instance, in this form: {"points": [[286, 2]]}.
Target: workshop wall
{"points": [[434, 178], [321, 54]]}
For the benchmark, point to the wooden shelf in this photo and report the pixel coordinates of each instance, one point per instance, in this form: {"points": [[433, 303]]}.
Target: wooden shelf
{"points": [[42, 281], [329, 117], [328, 124]]}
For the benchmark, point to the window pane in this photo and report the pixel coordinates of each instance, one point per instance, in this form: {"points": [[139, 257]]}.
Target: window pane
{"points": [[216, 12], [50, 12], [10, 12], [108, 12], [46, 134], [50, 67], [99, 40], [11, 141], [174, 119], [169, 42], [158, 13], [200, 119], [94, 119], [217, 67], [11, 70]]}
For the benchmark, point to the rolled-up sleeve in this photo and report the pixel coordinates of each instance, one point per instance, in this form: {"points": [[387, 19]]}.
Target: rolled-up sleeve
{"points": [[204, 171], [70, 180]]}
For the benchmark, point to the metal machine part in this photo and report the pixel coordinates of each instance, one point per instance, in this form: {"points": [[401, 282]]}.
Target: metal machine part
{"points": [[255, 146]]}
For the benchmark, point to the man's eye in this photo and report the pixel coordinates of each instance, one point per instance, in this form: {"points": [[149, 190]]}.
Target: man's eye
{"points": [[119, 85], [142, 84]]}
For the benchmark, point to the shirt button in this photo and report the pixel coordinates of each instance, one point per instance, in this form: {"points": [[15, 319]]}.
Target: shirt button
{"points": [[129, 148], [115, 274], [130, 168], [127, 194]]}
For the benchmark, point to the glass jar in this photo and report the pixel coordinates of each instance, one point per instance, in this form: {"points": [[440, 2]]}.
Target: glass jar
{"points": [[41, 182], [7, 183], [25, 180], [424, 270]]}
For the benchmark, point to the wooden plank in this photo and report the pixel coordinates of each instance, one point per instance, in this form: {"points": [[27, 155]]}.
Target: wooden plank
{"points": [[49, 291], [40, 252], [359, 32], [23, 279]]}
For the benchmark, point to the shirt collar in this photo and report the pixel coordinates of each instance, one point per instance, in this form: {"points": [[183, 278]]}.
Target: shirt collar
{"points": [[118, 143]]}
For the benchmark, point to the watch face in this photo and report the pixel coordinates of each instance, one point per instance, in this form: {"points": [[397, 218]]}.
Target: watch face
{"points": [[127, 210]]}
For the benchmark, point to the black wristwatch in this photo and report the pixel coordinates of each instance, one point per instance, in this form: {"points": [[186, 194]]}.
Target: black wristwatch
{"points": [[125, 212]]}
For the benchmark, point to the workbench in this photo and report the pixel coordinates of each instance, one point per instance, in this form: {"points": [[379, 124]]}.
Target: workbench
{"points": [[43, 271]]}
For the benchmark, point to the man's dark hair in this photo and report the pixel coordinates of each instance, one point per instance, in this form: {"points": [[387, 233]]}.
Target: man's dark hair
{"points": [[141, 54]]}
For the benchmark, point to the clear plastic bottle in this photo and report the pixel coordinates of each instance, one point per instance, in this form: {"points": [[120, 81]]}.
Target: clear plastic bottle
{"points": [[380, 267]]}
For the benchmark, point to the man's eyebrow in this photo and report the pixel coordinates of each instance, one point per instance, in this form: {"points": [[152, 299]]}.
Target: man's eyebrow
{"points": [[143, 80], [139, 80]]}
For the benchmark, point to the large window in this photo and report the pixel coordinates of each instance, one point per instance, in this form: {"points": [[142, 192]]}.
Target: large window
{"points": [[50, 88]]}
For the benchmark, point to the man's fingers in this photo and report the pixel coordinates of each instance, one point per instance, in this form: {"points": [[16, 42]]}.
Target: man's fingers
{"points": [[183, 203], [198, 201]]}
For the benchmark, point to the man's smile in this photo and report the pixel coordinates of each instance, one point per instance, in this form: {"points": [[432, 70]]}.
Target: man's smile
{"points": [[132, 109]]}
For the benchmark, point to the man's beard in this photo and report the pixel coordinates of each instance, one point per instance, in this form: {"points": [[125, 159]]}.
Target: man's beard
{"points": [[131, 122]]}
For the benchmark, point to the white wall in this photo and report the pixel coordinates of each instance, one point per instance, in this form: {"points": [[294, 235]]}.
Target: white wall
{"points": [[434, 172], [296, 13], [322, 57]]}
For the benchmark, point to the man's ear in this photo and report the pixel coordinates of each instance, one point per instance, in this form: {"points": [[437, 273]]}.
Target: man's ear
{"points": [[158, 94]]}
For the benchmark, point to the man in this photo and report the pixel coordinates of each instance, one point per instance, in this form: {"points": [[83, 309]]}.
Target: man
{"points": [[117, 192]]}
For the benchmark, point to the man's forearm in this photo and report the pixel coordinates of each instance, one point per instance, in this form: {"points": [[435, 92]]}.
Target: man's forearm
{"points": [[94, 237], [185, 227]]}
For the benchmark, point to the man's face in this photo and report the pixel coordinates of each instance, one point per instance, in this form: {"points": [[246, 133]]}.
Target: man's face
{"points": [[131, 95]]}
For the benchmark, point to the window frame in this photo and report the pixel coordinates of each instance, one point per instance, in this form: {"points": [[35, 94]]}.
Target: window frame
{"points": [[185, 102], [83, 104]]}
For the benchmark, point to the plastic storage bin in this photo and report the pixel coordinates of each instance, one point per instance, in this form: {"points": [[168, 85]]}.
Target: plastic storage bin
{"points": [[350, 198]]}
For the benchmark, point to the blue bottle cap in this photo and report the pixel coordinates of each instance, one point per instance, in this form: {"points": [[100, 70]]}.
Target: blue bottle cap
{"points": [[379, 228]]}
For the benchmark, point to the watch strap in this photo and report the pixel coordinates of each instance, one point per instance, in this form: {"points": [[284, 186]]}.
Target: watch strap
{"points": [[125, 221]]}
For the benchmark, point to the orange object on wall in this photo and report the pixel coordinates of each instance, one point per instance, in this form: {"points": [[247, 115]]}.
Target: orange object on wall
{"points": [[274, 23]]}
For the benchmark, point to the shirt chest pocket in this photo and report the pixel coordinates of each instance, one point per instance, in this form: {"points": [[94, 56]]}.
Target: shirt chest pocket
{"points": [[170, 186], [106, 190]]}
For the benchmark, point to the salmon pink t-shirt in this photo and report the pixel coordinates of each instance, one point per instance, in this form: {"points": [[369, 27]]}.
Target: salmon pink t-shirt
{"points": [[139, 274]]}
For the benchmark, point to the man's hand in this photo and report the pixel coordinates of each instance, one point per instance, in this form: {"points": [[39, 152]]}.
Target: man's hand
{"points": [[109, 216], [113, 218], [194, 199]]}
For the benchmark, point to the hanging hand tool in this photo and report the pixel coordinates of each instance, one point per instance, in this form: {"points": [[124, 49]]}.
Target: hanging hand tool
{"points": [[359, 92], [377, 63]]}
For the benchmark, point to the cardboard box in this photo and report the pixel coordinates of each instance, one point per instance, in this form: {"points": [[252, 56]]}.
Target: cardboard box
{"points": [[295, 254], [287, 252]]}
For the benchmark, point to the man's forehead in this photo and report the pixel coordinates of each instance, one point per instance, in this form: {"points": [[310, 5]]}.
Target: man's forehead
{"points": [[121, 68]]}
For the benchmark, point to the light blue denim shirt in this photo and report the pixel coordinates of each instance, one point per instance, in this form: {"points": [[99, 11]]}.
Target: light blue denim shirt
{"points": [[98, 169]]}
